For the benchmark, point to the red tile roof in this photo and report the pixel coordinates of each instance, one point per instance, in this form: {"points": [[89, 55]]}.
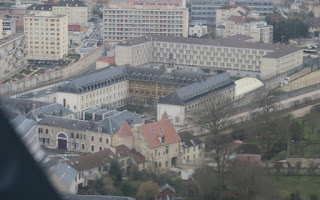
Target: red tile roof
{"points": [[164, 116], [108, 60], [74, 27], [124, 151], [154, 131], [125, 130]]}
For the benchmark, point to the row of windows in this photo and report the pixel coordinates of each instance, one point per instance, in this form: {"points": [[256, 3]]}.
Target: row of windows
{"points": [[194, 148]]}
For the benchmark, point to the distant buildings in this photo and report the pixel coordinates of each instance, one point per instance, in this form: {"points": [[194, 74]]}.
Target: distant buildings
{"points": [[198, 31], [126, 23], [180, 104], [77, 11], [47, 36], [204, 11], [234, 54], [9, 26], [233, 20], [13, 53]]}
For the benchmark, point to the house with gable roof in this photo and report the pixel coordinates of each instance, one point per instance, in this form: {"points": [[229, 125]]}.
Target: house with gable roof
{"points": [[158, 142]]}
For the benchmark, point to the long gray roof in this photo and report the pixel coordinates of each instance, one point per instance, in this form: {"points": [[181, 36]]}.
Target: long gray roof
{"points": [[40, 7], [109, 125], [76, 84], [23, 106], [106, 76], [197, 90], [276, 50], [65, 173]]}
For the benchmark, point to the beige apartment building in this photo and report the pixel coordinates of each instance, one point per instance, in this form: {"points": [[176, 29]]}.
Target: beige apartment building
{"points": [[13, 54], [234, 55], [77, 11], [126, 23], [47, 36], [259, 31]]}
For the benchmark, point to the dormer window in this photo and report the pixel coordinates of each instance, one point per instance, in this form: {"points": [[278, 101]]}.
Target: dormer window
{"points": [[163, 139], [161, 130], [153, 132]]}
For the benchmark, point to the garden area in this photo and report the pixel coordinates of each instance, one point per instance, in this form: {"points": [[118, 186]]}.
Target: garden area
{"points": [[143, 185]]}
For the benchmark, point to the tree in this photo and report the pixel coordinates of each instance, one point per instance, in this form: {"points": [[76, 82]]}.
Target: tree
{"points": [[313, 197], [104, 186], [128, 188], [134, 173], [312, 167], [148, 190], [295, 196], [310, 14], [115, 171], [213, 115], [248, 181]]}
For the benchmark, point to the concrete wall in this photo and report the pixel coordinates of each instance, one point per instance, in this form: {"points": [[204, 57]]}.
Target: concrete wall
{"points": [[64, 73]]}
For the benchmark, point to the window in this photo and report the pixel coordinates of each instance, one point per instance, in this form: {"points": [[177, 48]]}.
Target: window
{"points": [[92, 138], [199, 146], [167, 164], [76, 145], [82, 146], [84, 137], [107, 140], [77, 136], [177, 119], [92, 148], [100, 148], [51, 132], [40, 130], [72, 135], [100, 139], [163, 139], [167, 149], [47, 131]]}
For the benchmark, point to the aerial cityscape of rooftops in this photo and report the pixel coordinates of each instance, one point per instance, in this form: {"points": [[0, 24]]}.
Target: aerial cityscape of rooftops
{"points": [[166, 99]]}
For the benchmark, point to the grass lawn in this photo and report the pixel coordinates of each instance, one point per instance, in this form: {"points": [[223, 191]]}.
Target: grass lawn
{"points": [[306, 185]]}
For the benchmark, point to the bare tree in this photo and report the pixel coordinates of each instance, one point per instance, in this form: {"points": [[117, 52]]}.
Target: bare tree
{"points": [[312, 167], [213, 116]]}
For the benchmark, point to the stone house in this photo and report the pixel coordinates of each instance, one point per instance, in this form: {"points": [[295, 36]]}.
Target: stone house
{"points": [[158, 142]]}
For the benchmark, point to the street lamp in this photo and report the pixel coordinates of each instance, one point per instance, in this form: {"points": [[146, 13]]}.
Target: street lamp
{"points": [[282, 39]]}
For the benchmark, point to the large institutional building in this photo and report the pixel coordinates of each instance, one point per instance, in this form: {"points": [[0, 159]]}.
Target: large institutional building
{"points": [[235, 54], [179, 104], [126, 23], [47, 36]]}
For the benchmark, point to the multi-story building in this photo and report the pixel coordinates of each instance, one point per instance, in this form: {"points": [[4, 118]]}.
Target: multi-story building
{"points": [[147, 85], [127, 23], [9, 26], [179, 104], [158, 142], [234, 54], [82, 135], [198, 31], [13, 54], [104, 88], [155, 3], [204, 11], [47, 36], [192, 149], [259, 31], [77, 11]]}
